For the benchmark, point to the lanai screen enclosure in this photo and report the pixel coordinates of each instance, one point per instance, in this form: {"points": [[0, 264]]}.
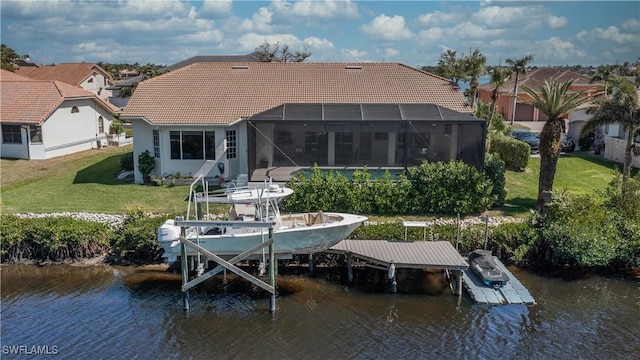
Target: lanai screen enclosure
{"points": [[354, 135]]}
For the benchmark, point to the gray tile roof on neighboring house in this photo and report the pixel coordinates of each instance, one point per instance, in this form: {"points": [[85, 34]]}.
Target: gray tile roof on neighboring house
{"points": [[221, 93], [253, 57], [541, 74]]}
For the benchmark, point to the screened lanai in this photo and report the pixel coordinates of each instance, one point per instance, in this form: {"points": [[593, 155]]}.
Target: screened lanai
{"points": [[355, 135]]}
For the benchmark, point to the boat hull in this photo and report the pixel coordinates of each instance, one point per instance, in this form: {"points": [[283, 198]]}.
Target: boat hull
{"points": [[287, 240]]}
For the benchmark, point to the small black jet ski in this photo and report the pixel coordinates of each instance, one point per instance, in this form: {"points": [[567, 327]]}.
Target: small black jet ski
{"points": [[482, 263]]}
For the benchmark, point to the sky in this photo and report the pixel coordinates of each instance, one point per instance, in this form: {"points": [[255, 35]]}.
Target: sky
{"points": [[414, 33]]}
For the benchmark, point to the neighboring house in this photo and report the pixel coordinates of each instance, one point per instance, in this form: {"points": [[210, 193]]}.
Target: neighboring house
{"points": [[42, 119], [23, 66], [253, 117], [524, 111], [122, 90], [87, 76]]}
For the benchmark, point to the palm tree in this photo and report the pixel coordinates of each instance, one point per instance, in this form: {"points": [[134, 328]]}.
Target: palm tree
{"points": [[475, 65], [518, 66], [622, 108], [603, 73], [499, 77], [555, 100]]}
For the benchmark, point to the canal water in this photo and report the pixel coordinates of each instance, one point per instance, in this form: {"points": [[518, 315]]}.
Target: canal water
{"points": [[103, 312]]}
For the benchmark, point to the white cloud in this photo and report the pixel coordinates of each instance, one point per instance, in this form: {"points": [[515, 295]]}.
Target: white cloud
{"points": [[631, 25], [260, 21], [354, 55], [612, 34], [316, 9], [559, 50], [556, 22], [315, 43], [387, 28], [390, 52], [437, 18], [216, 8], [504, 17], [431, 35], [210, 36]]}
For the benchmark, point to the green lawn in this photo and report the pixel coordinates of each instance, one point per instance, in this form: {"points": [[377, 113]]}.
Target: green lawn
{"points": [[580, 173], [81, 182], [86, 182]]}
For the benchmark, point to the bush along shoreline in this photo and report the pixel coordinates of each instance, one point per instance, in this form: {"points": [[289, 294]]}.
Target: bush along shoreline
{"points": [[130, 239]]}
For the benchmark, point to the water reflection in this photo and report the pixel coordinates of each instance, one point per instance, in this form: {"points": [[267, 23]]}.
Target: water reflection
{"points": [[113, 312]]}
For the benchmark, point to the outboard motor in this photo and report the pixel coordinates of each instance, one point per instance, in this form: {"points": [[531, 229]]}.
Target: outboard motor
{"points": [[168, 234]]}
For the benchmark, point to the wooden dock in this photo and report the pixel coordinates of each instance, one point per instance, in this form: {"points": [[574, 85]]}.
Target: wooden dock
{"points": [[390, 255], [438, 255], [405, 254], [512, 293]]}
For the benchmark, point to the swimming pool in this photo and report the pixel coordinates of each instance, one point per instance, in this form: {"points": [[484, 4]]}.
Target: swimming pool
{"points": [[376, 172]]}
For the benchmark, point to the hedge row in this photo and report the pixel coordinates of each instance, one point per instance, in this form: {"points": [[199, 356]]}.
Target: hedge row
{"points": [[436, 188], [65, 238]]}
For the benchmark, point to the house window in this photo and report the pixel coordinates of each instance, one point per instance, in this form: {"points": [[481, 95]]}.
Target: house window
{"points": [[75, 110], [232, 144], [11, 134], [156, 144], [35, 133], [210, 145], [100, 125], [192, 145]]}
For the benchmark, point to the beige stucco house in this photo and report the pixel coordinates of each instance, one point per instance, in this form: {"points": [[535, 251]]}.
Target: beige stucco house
{"points": [[252, 117]]}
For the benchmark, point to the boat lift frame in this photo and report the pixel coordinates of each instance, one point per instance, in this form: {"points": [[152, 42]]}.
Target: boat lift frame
{"points": [[224, 264]]}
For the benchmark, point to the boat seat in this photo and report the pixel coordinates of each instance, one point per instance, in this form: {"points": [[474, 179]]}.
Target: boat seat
{"points": [[312, 219]]}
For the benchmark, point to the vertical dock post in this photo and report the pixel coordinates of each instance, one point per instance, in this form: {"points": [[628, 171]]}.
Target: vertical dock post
{"points": [[272, 272], [486, 231], [392, 277], [349, 270], [312, 265], [458, 232], [185, 267], [459, 281]]}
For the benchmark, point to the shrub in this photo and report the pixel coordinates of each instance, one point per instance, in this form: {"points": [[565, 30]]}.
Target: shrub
{"points": [[126, 161], [137, 240], [514, 153], [494, 169], [146, 163], [52, 238], [116, 127], [444, 188], [450, 188]]}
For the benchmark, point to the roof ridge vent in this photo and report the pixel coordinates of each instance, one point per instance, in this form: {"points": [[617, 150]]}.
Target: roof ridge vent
{"points": [[353, 67], [238, 67]]}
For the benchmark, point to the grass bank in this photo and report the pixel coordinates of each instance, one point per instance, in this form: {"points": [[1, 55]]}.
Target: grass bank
{"points": [[86, 182]]}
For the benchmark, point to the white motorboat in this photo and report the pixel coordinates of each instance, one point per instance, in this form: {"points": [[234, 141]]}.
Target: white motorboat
{"points": [[296, 233]]}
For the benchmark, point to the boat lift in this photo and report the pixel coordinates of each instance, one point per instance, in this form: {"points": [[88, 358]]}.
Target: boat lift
{"points": [[226, 264]]}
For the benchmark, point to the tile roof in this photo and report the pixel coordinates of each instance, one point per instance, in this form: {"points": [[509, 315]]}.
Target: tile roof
{"points": [[28, 101], [70, 73], [220, 93], [541, 74], [253, 57]]}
